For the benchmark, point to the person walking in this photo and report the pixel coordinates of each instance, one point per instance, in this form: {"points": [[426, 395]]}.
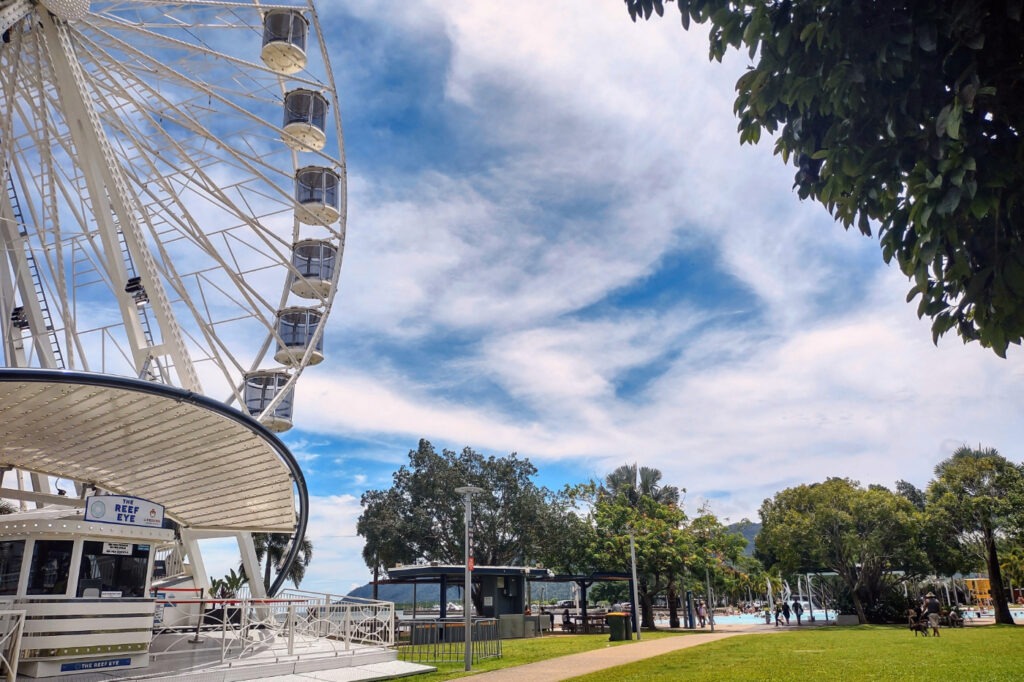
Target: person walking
{"points": [[702, 614], [931, 609], [798, 610], [785, 611], [778, 615]]}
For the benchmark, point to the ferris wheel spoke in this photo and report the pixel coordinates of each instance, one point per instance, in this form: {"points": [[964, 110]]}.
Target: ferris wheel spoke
{"points": [[105, 179]]}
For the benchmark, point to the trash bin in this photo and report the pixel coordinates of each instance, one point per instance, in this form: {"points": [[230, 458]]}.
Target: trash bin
{"points": [[618, 625]]}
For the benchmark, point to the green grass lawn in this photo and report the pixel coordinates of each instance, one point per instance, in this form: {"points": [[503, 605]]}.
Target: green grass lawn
{"points": [[523, 651], [975, 654], [972, 654]]}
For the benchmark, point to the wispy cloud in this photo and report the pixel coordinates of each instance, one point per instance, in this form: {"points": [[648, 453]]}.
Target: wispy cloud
{"points": [[558, 247]]}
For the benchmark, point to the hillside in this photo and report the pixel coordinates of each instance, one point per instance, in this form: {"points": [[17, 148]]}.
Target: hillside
{"points": [[749, 530]]}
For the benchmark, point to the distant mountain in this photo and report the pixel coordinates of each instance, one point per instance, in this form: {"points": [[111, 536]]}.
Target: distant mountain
{"points": [[403, 593], [749, 530]]}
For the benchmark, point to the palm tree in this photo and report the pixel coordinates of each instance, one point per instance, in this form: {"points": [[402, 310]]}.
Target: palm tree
{"points": [[635, 482], [274, 547], [1012, 563]]}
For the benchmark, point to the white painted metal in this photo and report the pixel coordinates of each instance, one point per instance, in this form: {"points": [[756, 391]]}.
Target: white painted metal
{"points": [[191, 544], [144, 143], [11, 11], [106, 182], [210, 472], [247, 549], [13, 623], [147, 223], [67, 10]]}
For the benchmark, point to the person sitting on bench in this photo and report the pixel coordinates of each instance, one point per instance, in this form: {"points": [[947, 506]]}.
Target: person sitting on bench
{"points": [[567, 624]]}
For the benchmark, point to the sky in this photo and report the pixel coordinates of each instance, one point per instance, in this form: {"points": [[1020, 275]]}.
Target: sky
{"points": [[557, 247]]}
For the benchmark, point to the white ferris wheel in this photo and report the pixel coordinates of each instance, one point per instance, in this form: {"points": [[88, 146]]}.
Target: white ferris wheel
{"points": [[173, 214], [173, 207]]}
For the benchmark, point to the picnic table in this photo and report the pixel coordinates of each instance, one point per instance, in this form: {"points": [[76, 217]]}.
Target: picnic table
{"points": [[594, 622]]}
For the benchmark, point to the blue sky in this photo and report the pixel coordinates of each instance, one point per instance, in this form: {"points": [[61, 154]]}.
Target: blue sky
{"points": [[557, 247]]}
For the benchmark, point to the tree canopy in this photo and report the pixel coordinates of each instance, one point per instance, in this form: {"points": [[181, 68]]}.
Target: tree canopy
{"points": [[905, 118], [663, 547], [422, 517], [977, 496], [863, 535]]}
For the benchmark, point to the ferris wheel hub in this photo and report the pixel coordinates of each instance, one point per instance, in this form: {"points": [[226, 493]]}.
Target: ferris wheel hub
{"points": [[68, 10]]}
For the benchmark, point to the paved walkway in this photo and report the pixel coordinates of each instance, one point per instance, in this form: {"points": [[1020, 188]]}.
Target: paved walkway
{"points": [[565, 667]]}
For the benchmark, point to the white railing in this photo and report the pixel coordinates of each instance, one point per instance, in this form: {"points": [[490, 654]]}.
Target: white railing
{"points": [[12, 623], [292, 624], [173, 564]]}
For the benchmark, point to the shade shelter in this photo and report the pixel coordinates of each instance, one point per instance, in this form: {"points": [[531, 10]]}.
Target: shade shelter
{"points": [[585, 581], [502, 588]]}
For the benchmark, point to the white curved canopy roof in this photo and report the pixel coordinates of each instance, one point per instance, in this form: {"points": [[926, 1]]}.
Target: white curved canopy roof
{"points": [[212, 467]]}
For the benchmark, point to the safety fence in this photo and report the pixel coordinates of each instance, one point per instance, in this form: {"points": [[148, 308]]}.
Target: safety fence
{"points": [[12, 623], [444, 640], [290, 624]]}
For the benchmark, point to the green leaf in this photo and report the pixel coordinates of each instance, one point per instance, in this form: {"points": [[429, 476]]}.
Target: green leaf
{"points": [[927, 37], [950, 201], [942, 120], [955, 118], [1013, 274]]}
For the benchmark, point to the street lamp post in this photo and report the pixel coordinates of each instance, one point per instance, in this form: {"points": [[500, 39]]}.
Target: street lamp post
{"points": [[707, 582], [467, 492], [637, 615]]}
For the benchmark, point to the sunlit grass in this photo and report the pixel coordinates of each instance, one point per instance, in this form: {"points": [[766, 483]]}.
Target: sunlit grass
{"points": [[975, 654], [972, 654]]}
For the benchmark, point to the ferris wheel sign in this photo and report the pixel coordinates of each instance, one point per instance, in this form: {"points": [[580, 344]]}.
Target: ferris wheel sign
{"points": [[124, 511]]}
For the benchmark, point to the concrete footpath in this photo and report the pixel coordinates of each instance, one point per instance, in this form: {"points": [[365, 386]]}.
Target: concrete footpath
{"points": [[565, 667]]}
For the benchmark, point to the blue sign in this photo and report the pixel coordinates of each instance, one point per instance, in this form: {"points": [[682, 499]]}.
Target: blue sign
{"points": [[95, 665]]}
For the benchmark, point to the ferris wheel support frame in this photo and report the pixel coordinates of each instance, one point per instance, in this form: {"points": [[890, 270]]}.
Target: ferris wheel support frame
{"points": [[106, 183]]}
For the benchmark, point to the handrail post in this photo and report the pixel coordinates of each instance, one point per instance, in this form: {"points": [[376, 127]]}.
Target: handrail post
{"points": [[223, 631], [291, 629], [347, 627], [199, 618]]}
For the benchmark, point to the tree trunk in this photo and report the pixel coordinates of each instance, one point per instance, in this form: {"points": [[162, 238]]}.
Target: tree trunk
{"points": [[862, 617], [376, 575], [646, 612], [995, 581], [673, 607]]}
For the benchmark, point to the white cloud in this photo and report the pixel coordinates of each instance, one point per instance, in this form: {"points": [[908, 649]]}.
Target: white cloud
{"points": [[337, 565], [605, 147]]}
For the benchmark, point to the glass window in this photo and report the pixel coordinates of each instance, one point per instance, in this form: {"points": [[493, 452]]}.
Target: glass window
{"points": [[11, 554], [51, 563], [118, 567]]}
